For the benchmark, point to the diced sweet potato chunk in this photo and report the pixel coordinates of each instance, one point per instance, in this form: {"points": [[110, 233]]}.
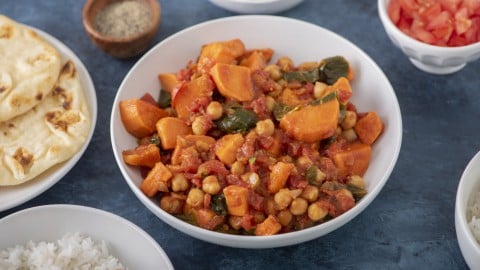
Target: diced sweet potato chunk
{"points": [[353, 160], [168, 81], [156, 180], [236, 199], [269, 226], [254, 61], [312, 123], [142, 155], [369, 127], [188, 93], [278, 176], [227, 146], [169, 128], [139, 117], [233, 81], [343, 88], [222, 52]]}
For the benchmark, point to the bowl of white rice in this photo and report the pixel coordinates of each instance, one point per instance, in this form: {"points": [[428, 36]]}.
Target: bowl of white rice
{"points": [[76, 237], [467, 213]]}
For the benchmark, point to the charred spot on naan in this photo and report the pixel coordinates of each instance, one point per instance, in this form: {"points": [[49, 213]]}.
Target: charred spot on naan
{"points": [[6, 31], [66, 97], [23, 157], [61, 120], [68, 70]]}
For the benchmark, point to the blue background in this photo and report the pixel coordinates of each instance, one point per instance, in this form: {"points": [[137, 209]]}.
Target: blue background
{"points": [[410, 225]]}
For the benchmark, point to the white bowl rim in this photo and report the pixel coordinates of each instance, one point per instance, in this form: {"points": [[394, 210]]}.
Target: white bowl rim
{"points": [[382, 10], [461, 208], [246, 241], [95, 211]]}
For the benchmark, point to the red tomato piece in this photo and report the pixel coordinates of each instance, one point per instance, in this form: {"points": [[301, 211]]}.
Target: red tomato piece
{"points": [[462, 23], [438, 22], [419, 32], [393, 11], [450, 5]]}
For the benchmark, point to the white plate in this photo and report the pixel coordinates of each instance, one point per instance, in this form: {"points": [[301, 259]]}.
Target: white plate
{"points": [[133, 247], [15, 195], [305, 42], [256, 6]]}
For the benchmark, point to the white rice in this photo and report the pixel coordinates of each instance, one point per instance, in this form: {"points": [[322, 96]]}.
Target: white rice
{"points": [[473, 214], [73, 252]]}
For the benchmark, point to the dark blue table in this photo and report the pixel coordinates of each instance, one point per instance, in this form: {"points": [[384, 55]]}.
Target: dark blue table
{"points": [[410, 225]]}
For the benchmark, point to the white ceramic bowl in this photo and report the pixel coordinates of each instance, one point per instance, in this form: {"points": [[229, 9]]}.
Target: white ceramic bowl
{"points": [[133, 247], [371, 87], [12, 196], [429, 58], [469, 185], [256, 6]]}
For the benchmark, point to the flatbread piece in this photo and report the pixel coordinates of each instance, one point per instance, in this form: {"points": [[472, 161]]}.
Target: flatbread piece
{"points": [[48, 134]]}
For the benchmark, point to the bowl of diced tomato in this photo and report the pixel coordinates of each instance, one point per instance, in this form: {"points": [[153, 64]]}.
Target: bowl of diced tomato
{"points": [[439, 37], [241, 139]]}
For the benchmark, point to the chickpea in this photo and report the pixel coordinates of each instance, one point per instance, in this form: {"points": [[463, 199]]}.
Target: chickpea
{"points": [[285, 63], [356, 181], [304, 162], [349, 135], [235, 222], [195, 197], [215, 110], [310, 193], [316, 211], [179, 183], [338, 131], [273, 71], [265, 127], [284, 217], [349, 120], [319, 89], [171, 204], [211, 185], [258, 216], [253, 180], [299, 206], [199, 125], [282, 198], [320, 176], [238, 168], [270, 102]]}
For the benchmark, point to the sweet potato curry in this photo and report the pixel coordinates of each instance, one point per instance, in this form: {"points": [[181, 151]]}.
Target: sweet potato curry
{"points": [[239, 145]]}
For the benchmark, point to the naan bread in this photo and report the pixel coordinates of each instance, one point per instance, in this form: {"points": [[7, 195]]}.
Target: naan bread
{"points": [[50, 133], [29, 68]]}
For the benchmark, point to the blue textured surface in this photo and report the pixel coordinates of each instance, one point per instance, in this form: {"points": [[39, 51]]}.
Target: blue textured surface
{"points": [[410, 225]]}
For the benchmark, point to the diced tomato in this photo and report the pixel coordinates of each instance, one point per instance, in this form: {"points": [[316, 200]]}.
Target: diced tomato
{"points": [[450, 5], [472, 6], [438, 22], [430, 12], [419, 32], [394, 11], [409, 6], [462, 23]]}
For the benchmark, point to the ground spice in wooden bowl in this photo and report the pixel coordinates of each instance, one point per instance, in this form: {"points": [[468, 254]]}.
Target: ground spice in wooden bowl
{"points": [[123, 19], [121, 28]]}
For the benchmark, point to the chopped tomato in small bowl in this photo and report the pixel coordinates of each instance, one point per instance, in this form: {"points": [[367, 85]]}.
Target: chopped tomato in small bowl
{"points": [[449, 23], [438, 36]]}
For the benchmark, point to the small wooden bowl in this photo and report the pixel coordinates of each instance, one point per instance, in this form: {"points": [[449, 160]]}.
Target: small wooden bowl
{"points": [[120, 47]]}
